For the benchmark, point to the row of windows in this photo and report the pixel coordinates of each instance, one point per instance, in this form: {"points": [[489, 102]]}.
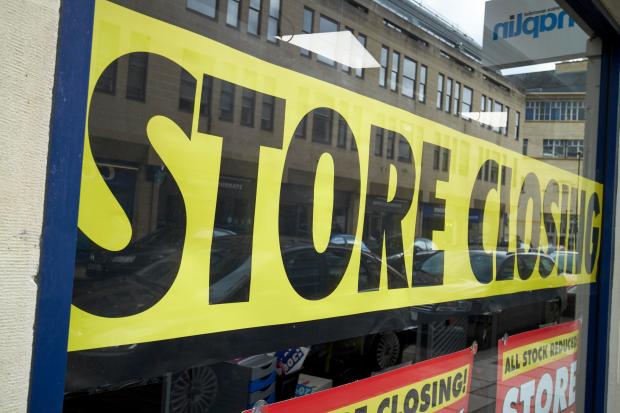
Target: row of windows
{"points": [[555, 110], [386, 140], [449, 96], [563, 148], [209, 8], [327, 25], [410, 74]]}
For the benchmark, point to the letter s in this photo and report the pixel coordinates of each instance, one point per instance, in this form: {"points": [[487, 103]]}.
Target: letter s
{"points": [[129, 280]]}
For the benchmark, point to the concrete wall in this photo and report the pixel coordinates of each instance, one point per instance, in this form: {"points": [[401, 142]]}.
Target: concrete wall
{"points": [[28, 48]]}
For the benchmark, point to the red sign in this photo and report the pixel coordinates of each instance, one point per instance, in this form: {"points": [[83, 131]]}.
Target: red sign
{"points": [[438, 385], [537, 370]]}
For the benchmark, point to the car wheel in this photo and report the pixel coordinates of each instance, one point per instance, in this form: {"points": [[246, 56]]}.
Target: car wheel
{"points": [[385, 351], [193, 390]]}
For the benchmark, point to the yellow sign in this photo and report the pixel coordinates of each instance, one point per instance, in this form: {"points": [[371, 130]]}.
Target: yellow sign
{"points": [[194, 162]]}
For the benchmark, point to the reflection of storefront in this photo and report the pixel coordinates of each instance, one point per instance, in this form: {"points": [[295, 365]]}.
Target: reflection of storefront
{"points": [[296, 209], [382, 217], [234, 212]]}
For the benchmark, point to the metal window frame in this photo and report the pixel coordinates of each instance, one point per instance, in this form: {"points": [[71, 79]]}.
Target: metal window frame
{"points": [[59, 233]]}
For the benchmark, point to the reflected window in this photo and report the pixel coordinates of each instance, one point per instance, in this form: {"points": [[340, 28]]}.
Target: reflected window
{"points": [[383, 62], [187, 92], [468, 98], [457, 98], [404, 150], [107, 80], [422, 84], [300, 131], [267, 112], [227, 101], [232, 13], [254, 17], [409, 73], [379, 142], [273, 24], [248, 104], [517, 124], [391, 141], [322, 125], [362, 39], [206, 7], [440, 90], [342, 133], [394, 72], [307, 28], [525, 142], [136, 76], [327, 25], [447, 104]]}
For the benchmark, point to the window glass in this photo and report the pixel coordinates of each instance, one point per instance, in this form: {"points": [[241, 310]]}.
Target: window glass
{"points": [[232, 13], [254, 17], [270, 180]]}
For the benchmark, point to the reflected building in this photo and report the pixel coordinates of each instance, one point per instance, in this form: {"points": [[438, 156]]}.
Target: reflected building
{"points": [[427, 68]]}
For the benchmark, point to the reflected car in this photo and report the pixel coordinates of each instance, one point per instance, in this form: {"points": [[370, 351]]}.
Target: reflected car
{"points": [[348, 240]]}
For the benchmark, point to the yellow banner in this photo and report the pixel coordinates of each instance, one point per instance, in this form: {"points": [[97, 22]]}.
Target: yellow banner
{"points": [[429, 395], [531, 356], [194, 162]]}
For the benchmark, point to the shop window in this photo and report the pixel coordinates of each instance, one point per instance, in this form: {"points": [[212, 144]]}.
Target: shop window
{"points": [[254, 13], [248, 104], [233, 12], [227, 101], [322, 125], [136, 76]]}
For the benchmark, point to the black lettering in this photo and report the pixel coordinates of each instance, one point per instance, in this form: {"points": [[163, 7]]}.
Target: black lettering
{"points": [[322, 286], [457, 385], [122, 291], [229, 168], [438, 223], [552, 196], [444, 389], [481, 190], [412, 399], [530, 191], [385, 403], [426, 397], [390, 218], [580, 233]]}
